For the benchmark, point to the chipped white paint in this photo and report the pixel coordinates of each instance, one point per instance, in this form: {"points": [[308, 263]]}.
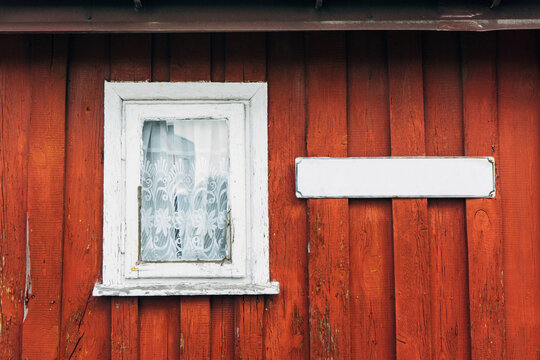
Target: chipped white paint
{"points": [[200, 288], [28, 279], [390, 177], [244, 106]]}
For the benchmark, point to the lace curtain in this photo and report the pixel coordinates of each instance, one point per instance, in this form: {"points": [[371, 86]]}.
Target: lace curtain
{"points": [[184, 199]]}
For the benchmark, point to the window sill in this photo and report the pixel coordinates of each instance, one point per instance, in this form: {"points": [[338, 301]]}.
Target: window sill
{"points": [[189, 289]]}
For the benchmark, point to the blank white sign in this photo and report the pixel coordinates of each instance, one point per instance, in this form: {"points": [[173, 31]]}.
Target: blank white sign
{"points": [[391, 177]]}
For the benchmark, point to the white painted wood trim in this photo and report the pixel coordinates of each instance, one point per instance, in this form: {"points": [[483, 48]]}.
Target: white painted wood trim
{"points": [[113, 187], [244, 105], [198, 91], [234, 113], [257, 133], [396, 177], [269, 288]]}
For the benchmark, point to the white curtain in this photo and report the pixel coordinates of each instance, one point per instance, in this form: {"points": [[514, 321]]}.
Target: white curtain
{"points": [[184, 199]]}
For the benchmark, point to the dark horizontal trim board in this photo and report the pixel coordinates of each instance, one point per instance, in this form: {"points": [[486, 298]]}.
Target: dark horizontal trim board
{"points": [[213, 16]]}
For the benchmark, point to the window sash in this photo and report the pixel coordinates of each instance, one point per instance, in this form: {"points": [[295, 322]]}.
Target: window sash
{"points": [[135, 113]]}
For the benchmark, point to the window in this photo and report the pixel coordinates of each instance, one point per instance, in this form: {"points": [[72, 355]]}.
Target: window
{"points": [[185, 208]]}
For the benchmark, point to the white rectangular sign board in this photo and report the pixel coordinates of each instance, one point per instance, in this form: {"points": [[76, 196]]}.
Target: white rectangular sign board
{"points": [[395, 177]]}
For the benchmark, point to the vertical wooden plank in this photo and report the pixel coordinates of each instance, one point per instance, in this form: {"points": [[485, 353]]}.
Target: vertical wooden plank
{"points": [[15, 95], [159, 328], [195, 327], [245, 57], [326, 97], [46, 196], [245, 60], [190, 57], [248, 325], [159, 318], [124, 328], [160, 57], [131, 57], [444, 137], [286, 319], [191, 61], [484, 216], [410, 216], [370, 221], [222, 329], [221, 307], [218, 57], [519, 169], [86, 319]]}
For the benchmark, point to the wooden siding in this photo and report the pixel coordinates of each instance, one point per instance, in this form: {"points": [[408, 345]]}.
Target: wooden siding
{"points": [[360, 279]]}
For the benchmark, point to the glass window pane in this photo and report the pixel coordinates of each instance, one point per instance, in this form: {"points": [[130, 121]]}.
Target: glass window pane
{"points": [[184, 198]]}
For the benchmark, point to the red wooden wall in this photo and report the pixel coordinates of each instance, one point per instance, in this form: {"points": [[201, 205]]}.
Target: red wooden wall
{"points": [[415, 278]]}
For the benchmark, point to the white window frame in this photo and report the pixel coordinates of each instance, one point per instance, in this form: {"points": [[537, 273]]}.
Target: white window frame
{"points": [[244, 106]]}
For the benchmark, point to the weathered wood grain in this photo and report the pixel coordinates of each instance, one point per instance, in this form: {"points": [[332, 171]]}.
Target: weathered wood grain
{"points": [[15, 104], [410, 217], [159, 328], [286, 327], [245, 57], [248, 325], [484, 216], [195, 328], [160, 57], [326, 97], [86, 330], [447, 234], [124, 328], [370, 221], [222, 327], [131, 60], [218, 57], [245, 60], [500, 86], [46, 197], [131, 57], [519, 134]]}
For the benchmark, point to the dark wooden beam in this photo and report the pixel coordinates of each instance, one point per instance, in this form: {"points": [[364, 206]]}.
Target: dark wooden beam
{"points": [[213, 15]]}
